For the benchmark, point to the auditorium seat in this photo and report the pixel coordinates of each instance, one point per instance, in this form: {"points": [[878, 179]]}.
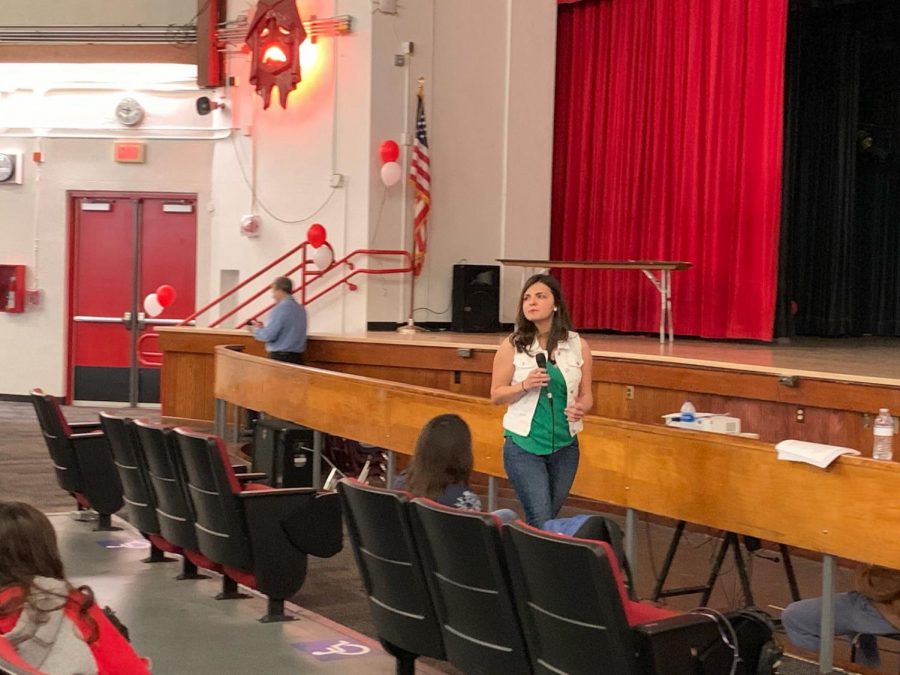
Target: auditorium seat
{"points": [[140, 500], [462, 554], [260, 535], [380, 531], [574, 607], [165, 471], [82, 459]]}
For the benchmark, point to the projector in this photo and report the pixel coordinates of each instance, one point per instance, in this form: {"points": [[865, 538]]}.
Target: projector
{"points": [[717, 423]]}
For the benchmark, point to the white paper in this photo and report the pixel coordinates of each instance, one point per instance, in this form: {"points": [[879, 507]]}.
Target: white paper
{"points": [[817, 454]]}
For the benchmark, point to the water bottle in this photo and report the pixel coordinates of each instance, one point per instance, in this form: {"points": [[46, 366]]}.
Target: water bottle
{"points": [[687, 412], [884, 434]]}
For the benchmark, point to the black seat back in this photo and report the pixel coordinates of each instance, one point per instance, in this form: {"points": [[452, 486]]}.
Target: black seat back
{"points": [[139, 498], [465, 566], [166, 474], [213, 488], [56, 431], [381, 535], [570, 603]]}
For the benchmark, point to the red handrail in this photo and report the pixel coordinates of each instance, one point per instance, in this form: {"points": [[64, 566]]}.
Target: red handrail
{"points": [[152, 359], [246, 281], [346, 260], [147, 358]]}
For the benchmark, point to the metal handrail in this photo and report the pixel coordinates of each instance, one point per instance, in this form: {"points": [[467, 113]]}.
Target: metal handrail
{"points": [[246, 281], [344, 280], [154, 359]]}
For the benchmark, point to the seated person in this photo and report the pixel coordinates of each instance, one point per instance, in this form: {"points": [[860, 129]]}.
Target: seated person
{"points": [[872, 609], [55, 627], [442, 466]]}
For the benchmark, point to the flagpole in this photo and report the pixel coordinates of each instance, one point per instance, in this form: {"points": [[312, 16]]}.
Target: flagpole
{"points": [[410, 326]]}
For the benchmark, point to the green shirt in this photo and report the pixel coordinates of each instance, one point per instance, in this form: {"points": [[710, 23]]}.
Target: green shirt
{"points": [[549, 426]]}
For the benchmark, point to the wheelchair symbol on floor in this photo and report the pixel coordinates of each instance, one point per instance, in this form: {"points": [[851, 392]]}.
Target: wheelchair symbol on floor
{"points": [[344, 648], [333, 649]]}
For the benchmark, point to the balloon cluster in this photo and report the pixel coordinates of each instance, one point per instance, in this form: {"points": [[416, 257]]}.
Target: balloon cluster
{"points": [[322, 255], [390, 169], [156, 302]]}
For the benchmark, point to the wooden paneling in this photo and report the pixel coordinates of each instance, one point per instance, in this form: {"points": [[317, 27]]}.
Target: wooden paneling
{"points": [[725, 482], [186, 381], [834, 411]]}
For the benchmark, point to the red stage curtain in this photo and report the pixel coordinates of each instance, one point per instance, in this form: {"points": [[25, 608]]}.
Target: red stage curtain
{"points": [[668, 146]]}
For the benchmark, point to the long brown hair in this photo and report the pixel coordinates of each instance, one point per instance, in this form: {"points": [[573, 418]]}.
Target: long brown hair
{"points": [[443, 457], [560, 325], [28, 549]]}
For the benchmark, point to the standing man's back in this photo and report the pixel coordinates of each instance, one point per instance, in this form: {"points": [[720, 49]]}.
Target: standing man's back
{"points": [[285, 333]]}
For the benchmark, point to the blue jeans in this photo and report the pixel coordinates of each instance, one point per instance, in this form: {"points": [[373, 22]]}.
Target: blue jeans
{"points": [[541, 482], [853, 615]]}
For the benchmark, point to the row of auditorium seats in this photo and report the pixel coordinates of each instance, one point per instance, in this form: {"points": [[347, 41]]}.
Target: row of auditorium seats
{"points": [[460, 586], [181, 491]]}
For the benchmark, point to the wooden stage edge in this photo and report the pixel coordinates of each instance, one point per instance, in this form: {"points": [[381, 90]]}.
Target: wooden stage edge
{"points": [[825, 391], [860, 360]]}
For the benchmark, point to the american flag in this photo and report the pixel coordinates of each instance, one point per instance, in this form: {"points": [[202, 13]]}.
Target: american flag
{"points": [[420, 175]]}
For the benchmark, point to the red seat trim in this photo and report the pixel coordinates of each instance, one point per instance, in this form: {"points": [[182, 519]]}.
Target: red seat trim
{"points": [[635, 612], [163, 544], [201, 560], [243, 577]]}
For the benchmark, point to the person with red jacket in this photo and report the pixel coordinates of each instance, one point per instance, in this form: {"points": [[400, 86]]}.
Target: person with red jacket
{"points": [[53, 626]]}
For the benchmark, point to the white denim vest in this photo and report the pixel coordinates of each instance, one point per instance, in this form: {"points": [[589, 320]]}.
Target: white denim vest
{"points": [[569, 360]]}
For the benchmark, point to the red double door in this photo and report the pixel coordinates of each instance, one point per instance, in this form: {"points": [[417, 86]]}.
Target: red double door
{"points": [[123, 247]]}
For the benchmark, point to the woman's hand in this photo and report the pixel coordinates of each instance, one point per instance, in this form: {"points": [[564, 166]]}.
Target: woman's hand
{"points": [[535, 379], [575, 411]]}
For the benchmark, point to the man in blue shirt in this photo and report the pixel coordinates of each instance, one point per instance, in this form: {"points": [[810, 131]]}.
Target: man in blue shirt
{"points": [[285, 334]]}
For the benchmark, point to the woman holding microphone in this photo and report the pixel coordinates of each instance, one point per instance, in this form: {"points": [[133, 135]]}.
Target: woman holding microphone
{"points": [[542, 372]]}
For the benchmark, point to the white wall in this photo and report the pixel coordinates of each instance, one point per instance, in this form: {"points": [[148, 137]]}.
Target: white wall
{"points": [[489, 69], [290, 154], [32, 344], [96, 12]]}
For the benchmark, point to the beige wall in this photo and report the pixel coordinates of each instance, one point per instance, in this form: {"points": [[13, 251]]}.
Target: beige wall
{"points": [[490, 76], [96, 12], [489, 69], [32, 344]]}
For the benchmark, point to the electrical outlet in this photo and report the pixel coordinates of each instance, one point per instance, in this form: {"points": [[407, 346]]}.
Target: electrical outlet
{"points": [[336, 180], [629, 392], [800, 415]]}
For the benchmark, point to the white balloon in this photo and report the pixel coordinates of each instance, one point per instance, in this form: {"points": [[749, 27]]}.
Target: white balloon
{"points": [[152, 306], [390, 173], [323, 257]]}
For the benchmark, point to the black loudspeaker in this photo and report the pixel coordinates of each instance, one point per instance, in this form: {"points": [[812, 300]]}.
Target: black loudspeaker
{"points": [[699, 644], [284, 452], [476, 298]]}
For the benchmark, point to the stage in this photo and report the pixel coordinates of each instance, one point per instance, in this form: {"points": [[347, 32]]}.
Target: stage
{"points": [[812, 389], [874, 360]]}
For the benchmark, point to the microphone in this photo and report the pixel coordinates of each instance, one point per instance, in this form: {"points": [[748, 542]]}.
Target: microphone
{"points": [[542, 363]]}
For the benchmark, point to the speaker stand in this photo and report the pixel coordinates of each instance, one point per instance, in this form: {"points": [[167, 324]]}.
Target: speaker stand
{"points": [[410, 328], [729, 540]]}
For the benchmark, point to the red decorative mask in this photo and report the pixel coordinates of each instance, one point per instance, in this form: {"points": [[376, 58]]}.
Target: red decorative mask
{"points": [[274, 38]]}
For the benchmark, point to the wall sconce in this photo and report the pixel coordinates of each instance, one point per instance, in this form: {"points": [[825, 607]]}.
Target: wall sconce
{"points": [[274, 38]]}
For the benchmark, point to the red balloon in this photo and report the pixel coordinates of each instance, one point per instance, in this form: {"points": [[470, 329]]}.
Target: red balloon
{"points": [[316, 235], [166, 295], [389, 151]]}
